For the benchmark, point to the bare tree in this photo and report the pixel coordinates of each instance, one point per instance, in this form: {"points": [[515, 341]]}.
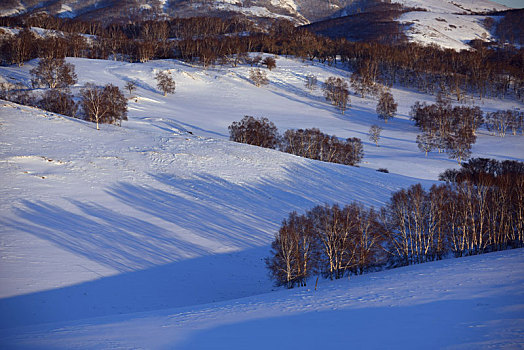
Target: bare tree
{"points": [[336, 91], [258, 77], [53, 73], [386, 106], [103, 105], [130, 86], [426, 143], [254, 60], [311, 82], [165, 82], [374, 133], [269, 62]]}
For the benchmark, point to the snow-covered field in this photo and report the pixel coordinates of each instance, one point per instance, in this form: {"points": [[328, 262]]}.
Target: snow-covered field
{"points": [[153, 235]]}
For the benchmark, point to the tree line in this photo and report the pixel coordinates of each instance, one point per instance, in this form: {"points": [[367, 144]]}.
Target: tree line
{"points": [[480, 209], [484, 71], [452, 129], [308, 143]]}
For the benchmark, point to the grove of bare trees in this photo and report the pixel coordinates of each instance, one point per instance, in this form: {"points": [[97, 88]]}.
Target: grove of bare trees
{"points": [[480, 209], [313, 144], [254, 131], [500, 122], [327, 240], [446, 128], [308, 143], [336, 90]]}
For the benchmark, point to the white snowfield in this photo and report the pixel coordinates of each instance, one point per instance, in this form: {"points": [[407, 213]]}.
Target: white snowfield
{"points": [[447, 23], [454, 6], [450, 31], [154, 234]]}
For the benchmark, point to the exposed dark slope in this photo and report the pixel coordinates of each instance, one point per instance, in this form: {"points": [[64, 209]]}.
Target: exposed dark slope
{"points": [[375, 23]]}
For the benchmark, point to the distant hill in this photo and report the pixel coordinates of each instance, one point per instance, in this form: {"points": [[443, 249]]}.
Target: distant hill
{"points": [[450, 24]]}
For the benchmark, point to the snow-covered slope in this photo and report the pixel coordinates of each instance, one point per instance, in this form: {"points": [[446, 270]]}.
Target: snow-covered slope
{"points": [[468, 303], [446, 23], [166, 213], [452, 31], [454, 6]]}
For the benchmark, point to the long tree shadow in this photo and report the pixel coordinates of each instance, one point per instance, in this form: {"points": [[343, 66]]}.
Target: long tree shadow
{"points": [[196, 281], [120, 241], [191, 241]]}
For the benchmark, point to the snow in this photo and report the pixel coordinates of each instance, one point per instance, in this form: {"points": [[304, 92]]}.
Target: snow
{"points": [[153, 234], [448, 24], [287, 4], [466, 303], [445, 30], [261, 11], [454, 6]]}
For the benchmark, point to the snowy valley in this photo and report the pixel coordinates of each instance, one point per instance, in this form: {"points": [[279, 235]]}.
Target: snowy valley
{"points": [[157, 231], [164, 214]]}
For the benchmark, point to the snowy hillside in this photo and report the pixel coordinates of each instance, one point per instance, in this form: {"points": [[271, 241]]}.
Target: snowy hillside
{"points": [[467, 303], [454, 6], [451, 31], [141, 225], [448, 24]]}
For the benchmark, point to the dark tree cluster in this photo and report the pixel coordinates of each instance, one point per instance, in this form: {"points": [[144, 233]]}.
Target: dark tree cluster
{"points": [[365, 78], [446, 128], [476, 168], [510, 28], [18, 94], [500, 122], [308, 143], [60, 102], [480, 210], [330, 240], [255, 131], [313, 144]]}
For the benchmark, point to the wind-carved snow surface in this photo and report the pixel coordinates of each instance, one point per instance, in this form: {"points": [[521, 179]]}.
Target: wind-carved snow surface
{"points": [[148, 235]]}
